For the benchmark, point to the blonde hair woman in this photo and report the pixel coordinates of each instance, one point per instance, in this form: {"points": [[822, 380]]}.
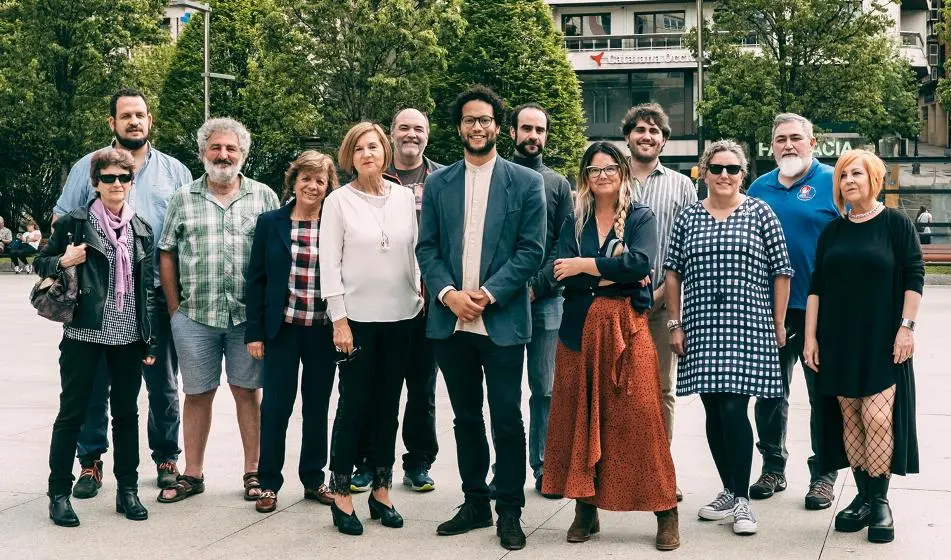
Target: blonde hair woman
{"points": [[729, 254], [607, 442], [860, 322]]}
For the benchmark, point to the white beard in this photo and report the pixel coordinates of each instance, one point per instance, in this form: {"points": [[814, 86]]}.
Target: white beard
{"points": [[221, 175], [791, 166]]}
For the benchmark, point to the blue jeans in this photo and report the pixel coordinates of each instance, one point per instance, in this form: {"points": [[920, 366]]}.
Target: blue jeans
{"points": [[546, 319], [161, 382]]}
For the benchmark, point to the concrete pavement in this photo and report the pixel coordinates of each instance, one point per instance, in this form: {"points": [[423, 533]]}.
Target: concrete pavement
{"points": [[219, 524]]}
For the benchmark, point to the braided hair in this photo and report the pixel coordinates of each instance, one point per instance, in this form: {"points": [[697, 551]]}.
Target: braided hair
{"points": [[584, 204]]}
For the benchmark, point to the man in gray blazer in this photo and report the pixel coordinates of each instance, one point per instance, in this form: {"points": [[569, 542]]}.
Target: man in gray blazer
{"points": [[481, 239]]}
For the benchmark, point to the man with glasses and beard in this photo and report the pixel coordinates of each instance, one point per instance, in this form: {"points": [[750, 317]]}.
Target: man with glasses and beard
{"points": [[530, 127], [481, 240], [667, 192], [157, 177], [799, 191], [206, 245]]}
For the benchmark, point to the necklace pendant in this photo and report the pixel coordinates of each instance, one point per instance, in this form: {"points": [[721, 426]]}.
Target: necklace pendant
{"points": [[384, 243]]}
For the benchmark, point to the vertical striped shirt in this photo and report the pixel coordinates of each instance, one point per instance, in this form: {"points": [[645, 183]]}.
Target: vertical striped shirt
{"points": [[667, 193]]}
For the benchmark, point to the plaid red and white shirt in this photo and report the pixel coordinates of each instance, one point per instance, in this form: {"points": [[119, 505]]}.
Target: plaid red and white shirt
{"points": [[304, 306]]}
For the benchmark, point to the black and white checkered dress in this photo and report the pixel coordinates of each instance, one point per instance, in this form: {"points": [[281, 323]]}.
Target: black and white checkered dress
{"points": [[727, 269]]}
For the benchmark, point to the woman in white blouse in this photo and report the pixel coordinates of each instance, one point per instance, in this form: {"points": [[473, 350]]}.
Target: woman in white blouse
{"points": [[370, 280]]}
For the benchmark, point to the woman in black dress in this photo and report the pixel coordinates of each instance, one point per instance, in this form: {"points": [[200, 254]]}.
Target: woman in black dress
{"points": [[861, 313]]}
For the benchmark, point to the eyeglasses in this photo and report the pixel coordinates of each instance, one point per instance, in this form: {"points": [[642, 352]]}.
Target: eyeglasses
{"points": [[717, 169], [346, 358], [485, 121], [111, 178], [594, 172]]}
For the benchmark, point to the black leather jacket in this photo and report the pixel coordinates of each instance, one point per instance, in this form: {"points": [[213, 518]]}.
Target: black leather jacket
{"points": [[94, 273]]}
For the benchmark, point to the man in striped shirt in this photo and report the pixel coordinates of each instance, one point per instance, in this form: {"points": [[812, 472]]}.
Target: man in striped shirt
{"points": [[647, 129]]}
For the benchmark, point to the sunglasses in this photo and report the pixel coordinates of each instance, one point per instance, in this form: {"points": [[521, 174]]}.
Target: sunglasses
{"points": [[717, 169], [111, 178], [609, 171], [343, 358]]}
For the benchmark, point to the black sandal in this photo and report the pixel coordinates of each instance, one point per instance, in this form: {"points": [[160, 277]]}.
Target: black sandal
{"points": [[185, 487], [251, 483]]}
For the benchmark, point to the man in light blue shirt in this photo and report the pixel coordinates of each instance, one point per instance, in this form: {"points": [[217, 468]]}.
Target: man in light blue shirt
{"points": [[157, 176], [799, 191]]}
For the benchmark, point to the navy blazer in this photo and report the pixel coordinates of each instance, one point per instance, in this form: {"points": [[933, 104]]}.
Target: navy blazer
{"points": [[269, 270], [513, 247]]}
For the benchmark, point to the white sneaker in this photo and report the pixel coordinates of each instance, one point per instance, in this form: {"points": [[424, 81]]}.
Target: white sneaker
{"points": [[17, 269], [744, 522], [720, 508], [29, 269]]}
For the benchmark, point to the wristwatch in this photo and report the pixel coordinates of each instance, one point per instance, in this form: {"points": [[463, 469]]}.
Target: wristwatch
{"points": [[908, 324], [674, 324]]}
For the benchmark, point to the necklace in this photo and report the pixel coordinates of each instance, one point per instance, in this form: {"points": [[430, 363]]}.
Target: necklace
{"points": [[384, 238], [878, 206]]}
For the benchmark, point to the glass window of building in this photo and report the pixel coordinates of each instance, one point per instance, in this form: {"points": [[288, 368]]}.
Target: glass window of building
{"points": [[585, 25], [659, 22], [608, 96]]}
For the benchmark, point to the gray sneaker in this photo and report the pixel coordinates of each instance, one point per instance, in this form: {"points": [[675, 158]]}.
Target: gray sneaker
{"points": [[744, 522], [720, 508]]}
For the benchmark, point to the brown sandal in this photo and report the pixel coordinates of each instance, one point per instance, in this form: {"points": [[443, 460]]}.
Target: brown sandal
{"points": [[251, 483], [185, 486]]}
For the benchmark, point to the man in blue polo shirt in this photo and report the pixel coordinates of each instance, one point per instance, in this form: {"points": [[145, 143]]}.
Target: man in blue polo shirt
{"points": [[799, 191]]}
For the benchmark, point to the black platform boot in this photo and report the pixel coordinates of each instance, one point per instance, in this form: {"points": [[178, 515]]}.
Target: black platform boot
{"points": [[857, 514], [881, 527], [346, 523], [61, 511], [127, 502]]}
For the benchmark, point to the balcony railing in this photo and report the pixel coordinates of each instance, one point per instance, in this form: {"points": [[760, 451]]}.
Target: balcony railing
{"points": [[625, 42]]}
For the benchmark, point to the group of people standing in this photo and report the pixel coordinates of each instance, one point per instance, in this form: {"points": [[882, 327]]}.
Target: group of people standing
{"points": [[470, 267]]}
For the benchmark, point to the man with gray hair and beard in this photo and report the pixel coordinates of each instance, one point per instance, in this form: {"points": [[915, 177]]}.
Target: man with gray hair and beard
{"points": [[799, 191], [206, 244]]}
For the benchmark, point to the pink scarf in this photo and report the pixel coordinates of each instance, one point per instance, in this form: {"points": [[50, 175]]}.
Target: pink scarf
{"points": [[110, 224]]}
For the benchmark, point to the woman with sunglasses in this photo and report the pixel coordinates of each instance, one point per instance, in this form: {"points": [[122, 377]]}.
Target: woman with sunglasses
{"points": [[112, 250], [729, 255], [288, 327], [607, 442], [370, 281]]}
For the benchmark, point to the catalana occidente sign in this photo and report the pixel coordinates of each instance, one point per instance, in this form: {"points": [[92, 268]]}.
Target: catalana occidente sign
{"points": [[826, 146]]}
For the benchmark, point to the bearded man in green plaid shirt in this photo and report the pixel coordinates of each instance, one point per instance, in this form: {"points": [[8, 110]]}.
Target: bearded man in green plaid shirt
{"points": [[205, 244]]}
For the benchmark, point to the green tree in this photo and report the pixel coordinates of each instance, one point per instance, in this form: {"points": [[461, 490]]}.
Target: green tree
{"points": [[512, 46], [60, 60], [830, 61], [943, 29]]}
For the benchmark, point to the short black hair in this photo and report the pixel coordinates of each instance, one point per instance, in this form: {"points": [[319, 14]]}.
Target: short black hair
{"points": [[478, 93], [125, 92], [531, 105]]}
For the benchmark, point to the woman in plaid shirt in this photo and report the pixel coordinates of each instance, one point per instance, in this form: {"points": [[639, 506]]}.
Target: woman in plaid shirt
{"points": [[288, 325]]}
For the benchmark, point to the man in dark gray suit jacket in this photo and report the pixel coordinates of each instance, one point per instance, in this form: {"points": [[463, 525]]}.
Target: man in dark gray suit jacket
{"points": [[481, 239]]}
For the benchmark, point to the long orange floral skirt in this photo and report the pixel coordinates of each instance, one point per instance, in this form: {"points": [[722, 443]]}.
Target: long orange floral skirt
{"points": [[607, 443]]}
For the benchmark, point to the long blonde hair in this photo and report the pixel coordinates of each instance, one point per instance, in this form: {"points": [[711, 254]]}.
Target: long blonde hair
{"points": [[584, 200]]}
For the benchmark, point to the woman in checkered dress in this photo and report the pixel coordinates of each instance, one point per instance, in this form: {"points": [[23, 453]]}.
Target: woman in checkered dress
{"points": [[729, 255]]}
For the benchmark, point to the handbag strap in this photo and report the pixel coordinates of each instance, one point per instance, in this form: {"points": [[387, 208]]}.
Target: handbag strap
{"points": [[78, 236]]}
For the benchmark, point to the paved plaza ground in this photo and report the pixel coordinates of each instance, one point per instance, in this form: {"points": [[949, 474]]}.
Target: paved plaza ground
{"points": [[219, 524]]}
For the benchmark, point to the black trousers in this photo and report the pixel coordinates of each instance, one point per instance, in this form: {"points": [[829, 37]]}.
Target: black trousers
{"points": [[465, 360], [78, 366], [283, 355], [730, 437], [370, 387], [772, 415], [419, 416]]}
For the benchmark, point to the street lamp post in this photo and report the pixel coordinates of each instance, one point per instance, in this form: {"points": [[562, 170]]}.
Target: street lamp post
{"points": [[699, 77], [205, 9]]}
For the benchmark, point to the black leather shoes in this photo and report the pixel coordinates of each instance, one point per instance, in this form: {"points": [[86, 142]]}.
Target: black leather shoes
{"points": [[881, 526], [510, 531], [471, 515], [857, 514], [61, 511], [348, 524], [127, 502], [387, 515]]}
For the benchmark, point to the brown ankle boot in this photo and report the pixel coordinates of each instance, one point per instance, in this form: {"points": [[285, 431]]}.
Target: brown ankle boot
{"points": [[668, 529], [585, 524]]}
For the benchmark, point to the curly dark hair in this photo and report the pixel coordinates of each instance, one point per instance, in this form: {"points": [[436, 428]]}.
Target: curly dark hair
{"points": [[478, 93]]}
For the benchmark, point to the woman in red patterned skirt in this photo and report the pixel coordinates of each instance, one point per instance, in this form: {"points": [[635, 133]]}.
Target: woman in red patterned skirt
{"points": [[607, 442]]}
